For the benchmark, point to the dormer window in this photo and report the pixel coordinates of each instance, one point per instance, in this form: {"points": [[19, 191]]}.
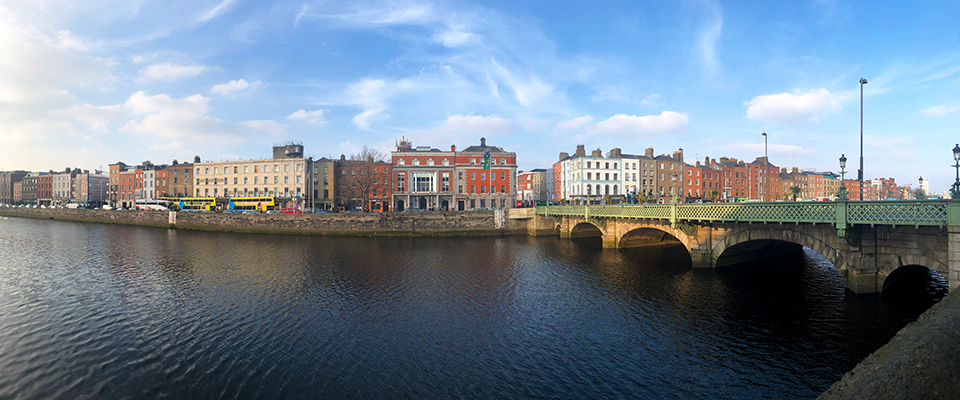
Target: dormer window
{"points": [[400, 162], [416, 161], [430, 162], [446, 162]]}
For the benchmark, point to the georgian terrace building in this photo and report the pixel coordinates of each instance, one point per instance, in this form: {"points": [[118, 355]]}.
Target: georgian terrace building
{"points": [[478, 177], [285, 176]]}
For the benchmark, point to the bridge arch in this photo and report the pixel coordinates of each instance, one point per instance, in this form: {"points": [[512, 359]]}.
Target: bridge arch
{"points": [[585, 229], [647, 235], [781, 234], [917, 259]]}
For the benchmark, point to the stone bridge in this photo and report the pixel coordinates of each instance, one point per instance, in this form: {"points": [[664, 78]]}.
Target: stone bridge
{"points": [[868, 242]]}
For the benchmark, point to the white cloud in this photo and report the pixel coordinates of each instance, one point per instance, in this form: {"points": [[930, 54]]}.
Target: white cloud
{"points": [[799, 105], [136, 59], [939, 111], [169, 72], [573, 124], [215, 11], [312, 117], [98, 118], [364, 119], [357, 15], [225, 89], [273, 127], [166, 117], [667, 121]]}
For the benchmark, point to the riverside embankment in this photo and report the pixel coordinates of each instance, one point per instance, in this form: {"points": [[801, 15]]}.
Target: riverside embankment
{"points": [[439, 223], [921, 362]]}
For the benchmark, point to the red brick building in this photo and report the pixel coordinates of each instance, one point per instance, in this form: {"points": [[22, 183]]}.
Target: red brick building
{"points": [[430, 179], [364, 184]]}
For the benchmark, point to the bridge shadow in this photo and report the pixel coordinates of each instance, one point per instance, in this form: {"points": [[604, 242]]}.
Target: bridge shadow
{"points": [[912, 289]]}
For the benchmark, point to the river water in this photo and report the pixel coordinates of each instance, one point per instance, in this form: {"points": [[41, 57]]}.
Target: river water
{"points": [[104, 311]]}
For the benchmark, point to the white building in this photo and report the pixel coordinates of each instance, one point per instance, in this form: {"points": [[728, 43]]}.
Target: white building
{"points": [[591, 178]]}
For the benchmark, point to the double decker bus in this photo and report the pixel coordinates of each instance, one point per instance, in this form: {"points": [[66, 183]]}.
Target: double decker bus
{"points": [[197, 203], [252, 203]]}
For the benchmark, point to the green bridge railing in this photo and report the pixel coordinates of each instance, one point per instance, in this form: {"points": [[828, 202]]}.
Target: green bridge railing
{"points": [[841, 214]]}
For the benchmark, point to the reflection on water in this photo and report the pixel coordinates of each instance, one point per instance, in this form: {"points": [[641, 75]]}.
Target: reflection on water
{"points": [[99, 311]]}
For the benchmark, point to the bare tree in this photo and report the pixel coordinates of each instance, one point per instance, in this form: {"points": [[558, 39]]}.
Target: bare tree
{"points": [[365, 177], [369, 155]]}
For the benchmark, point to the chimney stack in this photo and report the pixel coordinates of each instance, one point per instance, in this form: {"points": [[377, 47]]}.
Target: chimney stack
{"points": [[648, 152]]}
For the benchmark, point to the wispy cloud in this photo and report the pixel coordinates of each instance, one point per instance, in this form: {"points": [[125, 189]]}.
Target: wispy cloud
{"points": [[216, 11], [706, 47], [225, 89], [939, 111], [273, 127], [574, 124], [170, 71], [167, 117], [313, 117]]}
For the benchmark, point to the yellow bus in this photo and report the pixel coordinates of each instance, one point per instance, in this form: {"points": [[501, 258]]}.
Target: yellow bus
{"points": [[198, 203], [252, 203]]}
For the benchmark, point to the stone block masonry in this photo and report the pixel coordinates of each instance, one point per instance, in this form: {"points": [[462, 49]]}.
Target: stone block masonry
{"points": [[447, 223]]}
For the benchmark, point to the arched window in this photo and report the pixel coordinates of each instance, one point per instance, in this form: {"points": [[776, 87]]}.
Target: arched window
{"points": [[598, 189], [606, 189], [614, 190]]}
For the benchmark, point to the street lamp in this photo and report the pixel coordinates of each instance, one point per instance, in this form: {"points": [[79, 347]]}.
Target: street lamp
{"points": [[862, 82], [955, 191], [842, 193], [766, 161]]}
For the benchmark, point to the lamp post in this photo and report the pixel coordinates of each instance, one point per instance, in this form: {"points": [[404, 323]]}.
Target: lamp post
{"points": [[860, 177], [766, 162], [842, 193], [955, 191]]}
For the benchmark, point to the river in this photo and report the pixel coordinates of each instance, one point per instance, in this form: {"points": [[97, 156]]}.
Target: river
{"points": [[106, 311]]}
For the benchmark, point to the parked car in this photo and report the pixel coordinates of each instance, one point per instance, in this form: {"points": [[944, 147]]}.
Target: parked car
{"points": [[290, 211]]}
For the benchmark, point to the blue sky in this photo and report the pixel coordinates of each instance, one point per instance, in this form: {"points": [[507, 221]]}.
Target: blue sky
{"points": [[88, 83]]}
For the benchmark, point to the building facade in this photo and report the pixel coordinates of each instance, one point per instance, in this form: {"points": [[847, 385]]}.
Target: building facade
{"points": [[478, 177], [7, 180], [363, 184]]}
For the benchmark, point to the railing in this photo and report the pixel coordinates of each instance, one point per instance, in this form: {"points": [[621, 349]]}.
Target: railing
{"points": [[840, 214]]}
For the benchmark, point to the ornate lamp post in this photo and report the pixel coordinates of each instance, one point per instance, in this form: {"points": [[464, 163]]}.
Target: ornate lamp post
{"points": [[842, 193], [955, 190]]}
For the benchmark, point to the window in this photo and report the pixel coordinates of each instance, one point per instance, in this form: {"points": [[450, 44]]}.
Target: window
{"points": [[588, 164], [276, 180], [483, 203], [399, 162], [589, 176], [234, 180], [606, 176], [206, 171], [606, 165], [299, 167], [400, 178], [276, 168], [473, 176], [445, 182], [446, 162], [503, 189], [503, 175], [483, 189], [416, 161], [473, 161], [473, 203], [483, 176], [459, 188], [473, 189], [460, 176], [234, 171], [429, 162], [299, 179]]}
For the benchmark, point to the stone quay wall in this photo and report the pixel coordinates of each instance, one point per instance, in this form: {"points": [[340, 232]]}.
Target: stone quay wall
{"points": [[438, 223]]}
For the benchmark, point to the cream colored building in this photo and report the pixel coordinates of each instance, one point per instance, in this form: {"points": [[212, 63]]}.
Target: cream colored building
{"points": [[286, 177]]}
